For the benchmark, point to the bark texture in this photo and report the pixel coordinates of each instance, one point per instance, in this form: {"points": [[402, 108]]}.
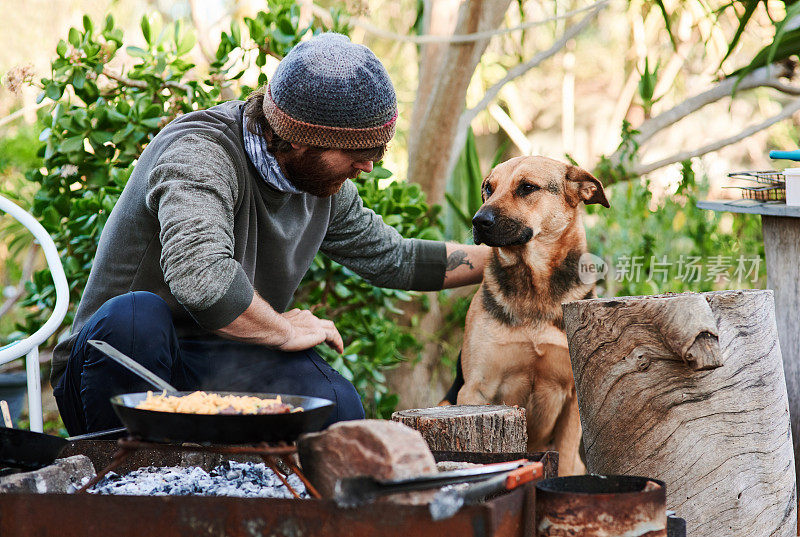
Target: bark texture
{"points": [[476, 428], [782, 252], [690, 389]]}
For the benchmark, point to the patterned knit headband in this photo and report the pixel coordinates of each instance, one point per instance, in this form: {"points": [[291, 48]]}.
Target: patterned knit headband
{"points": [[329, 92], [302, 132]]}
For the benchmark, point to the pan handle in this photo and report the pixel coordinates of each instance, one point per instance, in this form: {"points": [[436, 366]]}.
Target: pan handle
{"points": [[132, 365], [97, 434]]}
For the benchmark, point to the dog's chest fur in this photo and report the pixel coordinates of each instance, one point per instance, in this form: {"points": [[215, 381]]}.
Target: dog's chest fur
{"points": [[529, 292]]}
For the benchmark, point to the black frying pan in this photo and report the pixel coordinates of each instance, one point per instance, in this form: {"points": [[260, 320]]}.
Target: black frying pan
{"points": [[161, 426], [31, 450]]}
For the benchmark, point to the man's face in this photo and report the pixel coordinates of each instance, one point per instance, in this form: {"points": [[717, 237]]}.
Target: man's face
{"points": [[321, 172]]}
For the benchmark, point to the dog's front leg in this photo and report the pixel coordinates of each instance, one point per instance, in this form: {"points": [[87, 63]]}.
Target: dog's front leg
{"points": [[567, 437], [482, 376], [481, 390]]}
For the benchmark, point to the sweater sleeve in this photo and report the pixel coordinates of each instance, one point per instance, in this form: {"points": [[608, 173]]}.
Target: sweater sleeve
{"points": [[360, 240], [192, 191]]}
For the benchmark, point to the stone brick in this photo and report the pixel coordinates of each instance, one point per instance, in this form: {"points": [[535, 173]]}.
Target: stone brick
{"points": [[379, 448], [55, 478]]}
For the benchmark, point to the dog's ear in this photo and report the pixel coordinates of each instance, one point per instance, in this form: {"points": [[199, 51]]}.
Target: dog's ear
{"points": [[590, 189]]}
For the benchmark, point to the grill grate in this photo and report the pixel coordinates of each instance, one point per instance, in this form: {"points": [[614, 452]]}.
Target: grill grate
{"points": [[277, 457], [770, 185]]}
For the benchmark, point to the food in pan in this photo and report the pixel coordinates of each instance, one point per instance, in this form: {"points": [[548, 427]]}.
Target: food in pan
{"points": [[214, 403]]}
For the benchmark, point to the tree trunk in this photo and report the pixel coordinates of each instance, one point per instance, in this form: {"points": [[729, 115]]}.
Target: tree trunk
{"points": [[431, 138], [475, 428], [439, 18], [689, 389]]}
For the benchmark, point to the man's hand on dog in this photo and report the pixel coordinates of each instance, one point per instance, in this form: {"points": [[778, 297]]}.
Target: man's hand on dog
{"points": [[465, 264]]}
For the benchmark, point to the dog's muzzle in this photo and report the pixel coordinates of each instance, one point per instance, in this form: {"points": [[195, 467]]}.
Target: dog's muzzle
{"points": [[492, 228]]}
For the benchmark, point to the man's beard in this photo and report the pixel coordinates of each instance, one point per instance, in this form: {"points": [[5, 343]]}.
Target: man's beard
{"points": [[310, 173]]}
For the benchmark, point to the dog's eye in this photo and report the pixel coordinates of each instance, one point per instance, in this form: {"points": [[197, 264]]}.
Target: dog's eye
{"points": [[527, 188], [488, 189]]}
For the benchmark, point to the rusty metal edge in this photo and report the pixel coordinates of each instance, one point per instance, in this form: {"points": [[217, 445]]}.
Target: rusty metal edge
{"points": [[28, 514], [90, 515], [582, 513]]}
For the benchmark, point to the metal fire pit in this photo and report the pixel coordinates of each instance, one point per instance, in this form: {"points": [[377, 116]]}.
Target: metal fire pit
{"points": [[88, 515], [601, 506]]}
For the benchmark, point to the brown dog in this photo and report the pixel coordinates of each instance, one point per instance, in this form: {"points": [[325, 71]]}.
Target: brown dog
{"points": [[515, 349]]}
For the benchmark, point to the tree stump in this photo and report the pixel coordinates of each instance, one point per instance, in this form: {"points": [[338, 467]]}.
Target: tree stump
{"points": [[690, 389], [478, 428]]}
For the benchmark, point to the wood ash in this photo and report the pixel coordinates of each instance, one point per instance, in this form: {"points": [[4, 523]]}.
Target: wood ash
{"points": [[244, 480]]}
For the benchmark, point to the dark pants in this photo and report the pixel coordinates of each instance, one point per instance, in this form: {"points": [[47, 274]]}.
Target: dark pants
{"points": [[139, 324]]}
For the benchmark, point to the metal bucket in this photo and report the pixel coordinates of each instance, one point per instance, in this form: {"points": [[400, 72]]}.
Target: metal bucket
{"points": [[601, 506]]}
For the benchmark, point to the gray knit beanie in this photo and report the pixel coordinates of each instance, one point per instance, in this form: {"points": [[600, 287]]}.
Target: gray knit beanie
{"points": [[329, 92]]}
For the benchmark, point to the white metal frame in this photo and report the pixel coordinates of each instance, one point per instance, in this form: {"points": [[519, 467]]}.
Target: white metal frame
{"points": [[29, 347]]}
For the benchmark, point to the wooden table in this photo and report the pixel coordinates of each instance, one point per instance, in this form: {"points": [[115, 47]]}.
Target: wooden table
{"points": [[780, 225]]}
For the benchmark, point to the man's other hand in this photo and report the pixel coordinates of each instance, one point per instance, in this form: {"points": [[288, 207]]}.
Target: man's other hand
{"points": [[295, 330], [308, 330]]}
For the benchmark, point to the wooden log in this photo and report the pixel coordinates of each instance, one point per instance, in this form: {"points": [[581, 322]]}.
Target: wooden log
{"points": [[782, 252], [476, 428], [690, 389]]}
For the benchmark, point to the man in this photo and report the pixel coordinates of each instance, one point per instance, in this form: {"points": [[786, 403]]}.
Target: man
{"points": [[220, 220]]}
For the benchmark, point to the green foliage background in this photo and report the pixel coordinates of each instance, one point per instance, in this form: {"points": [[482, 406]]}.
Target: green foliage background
{"points": [[99, 120], [668, 228], [17, 155]]}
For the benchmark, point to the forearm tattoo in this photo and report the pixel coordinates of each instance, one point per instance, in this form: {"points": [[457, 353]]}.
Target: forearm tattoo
{"points": [[456, 259]]}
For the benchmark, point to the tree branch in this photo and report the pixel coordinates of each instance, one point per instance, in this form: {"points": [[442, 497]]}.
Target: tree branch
{"points": [[19, 113], [765, 76], [513, 73], [456, 38], [785, 88], [514, 133], [141, 84], [787, 112], [521, 69]]}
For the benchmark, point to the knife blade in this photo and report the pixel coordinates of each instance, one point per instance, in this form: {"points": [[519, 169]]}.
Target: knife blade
{"points": [[446, 503], [355, 491]]}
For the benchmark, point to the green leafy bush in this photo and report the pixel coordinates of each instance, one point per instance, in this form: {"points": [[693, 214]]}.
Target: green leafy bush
{"points": [[667, 244], [99, 124], [17, 155], [101, 120]]}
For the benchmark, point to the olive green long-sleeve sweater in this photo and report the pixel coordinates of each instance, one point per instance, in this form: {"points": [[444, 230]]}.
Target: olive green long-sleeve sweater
{"points": [[197, 226]]}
